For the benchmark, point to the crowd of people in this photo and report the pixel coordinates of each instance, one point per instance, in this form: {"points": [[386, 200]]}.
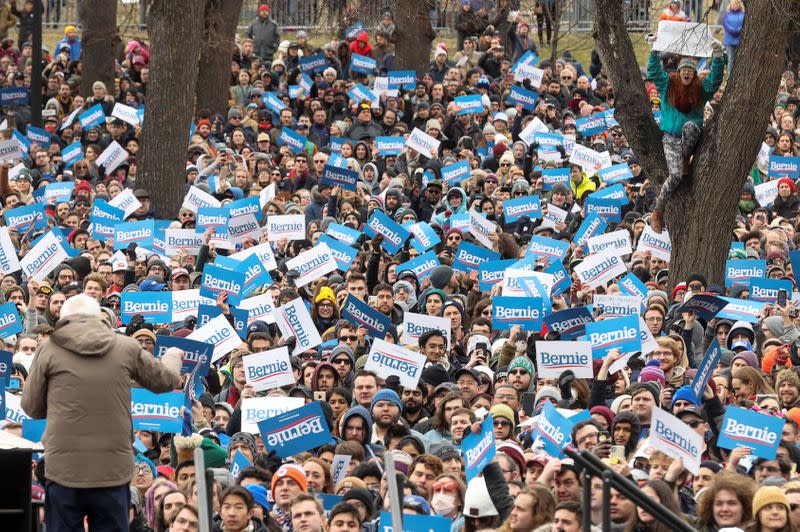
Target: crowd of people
{"points": [[411, 247]]}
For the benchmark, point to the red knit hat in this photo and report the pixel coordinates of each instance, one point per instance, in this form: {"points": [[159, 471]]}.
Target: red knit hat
{"points": [[678, 287], [768, 361], [263, 7], [786, 181]]}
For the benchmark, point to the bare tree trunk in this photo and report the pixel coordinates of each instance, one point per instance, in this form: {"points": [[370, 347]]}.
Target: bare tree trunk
{"points": [[558, 9], [174, 27], [701, 213], [217, 45], [98, 44], [414, 35]]}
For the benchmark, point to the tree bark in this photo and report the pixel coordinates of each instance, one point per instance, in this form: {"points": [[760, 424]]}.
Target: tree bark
{"points": [[414, 36], [98, 44], [217, 45], [174, 27], [558, 9], [701, 213]]}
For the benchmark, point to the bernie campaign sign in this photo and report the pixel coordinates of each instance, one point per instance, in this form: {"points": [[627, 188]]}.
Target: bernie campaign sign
{"points": [[554, 358], [618, 333], [394, 234], [553, 429], [422, 266], [295, 431], [155, 307], [523, 311], [742, 270], [469, 257], [160, 412], [10, 324], [360, 314], [479, 449], [269, 369], [387, 359], [195, 353], [745, 428], [516, 208], [569, 323], [705, 369], [706, 306]]}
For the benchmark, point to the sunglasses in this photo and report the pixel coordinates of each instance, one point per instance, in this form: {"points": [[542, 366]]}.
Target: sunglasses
{"points": [[694, 423], [351, 338], [505, 164], [341, 361], [501, 423]]}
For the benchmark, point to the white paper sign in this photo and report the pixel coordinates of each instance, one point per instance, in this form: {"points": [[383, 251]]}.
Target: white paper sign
{"points": [[293, 319], [340, 464], [675, 438], [591, 161], [186, 240], [269, 369], [658, 244], [617, 306], [423, 143], [259, 308], [265, 255], [118, 261], [10, 150], [621, 362], [286, 227], [618, 241], [387, 359], [415, 325], [598, 269], [554, 358], [243, 227], [255, 409], [185, 303], [684, 38], [14, 411], [9, 263], [533, 127], [197, 198], [126, 201], [43, 257], [126, 113], [481, 228], [514, 281], [553, 216], [220, 332], [529, 72], [766, 192], [312, 264], [112, 156]]}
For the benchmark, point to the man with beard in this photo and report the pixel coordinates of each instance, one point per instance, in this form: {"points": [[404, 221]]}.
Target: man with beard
{"points": [[385, 409], [413, 399], [384, 303], [520, 374], [787, 383]]}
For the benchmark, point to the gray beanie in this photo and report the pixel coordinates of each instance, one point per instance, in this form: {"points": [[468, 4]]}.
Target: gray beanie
{"points": [[441, 275]]}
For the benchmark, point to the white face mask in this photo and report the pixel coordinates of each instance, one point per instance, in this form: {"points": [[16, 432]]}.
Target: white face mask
{"points": [[443, 503]]}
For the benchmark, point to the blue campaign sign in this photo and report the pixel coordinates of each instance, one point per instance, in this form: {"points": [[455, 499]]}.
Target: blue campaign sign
{"points": [[741, 270], [394, 234], [422, 266], [592, 225], [59, 191], [206, 313], [766, 290], [569, 323], [492, 272], [10, 324], [469, 256], [344, 233], [347, 179], [426, 523], [360, 93], [705, 369], [313, 63], [615, 192], [336, 143], [244, 206], [362, 63], [522, 96], [342, 253], [21, 218], [195, 353], [273, 102], [745, 428], [404, 79], [630, 285], [551, 176], [24, 143], [328, 500], [607, 208], [295, 431], [14, 96], [238, 463], [161, 412], [516, 208], [456, 172], [33, 429], [360, 314], [353, 31], [92, 117], [615, 174], [706, 306], [551, 140], [389, 145], [553, 249], [217, 280], [423, 237], [591, 125], [561, 278], [337, 161], [6, 358], [794, 258], [255, 274], [528, 58], [469, 104], [38, 135], [72, 154], [211, 217], [616, 333], [127, 233], [784, 167], [155, 307], [295, 141], [478, 449], [523, 311], [554, 430], [741, 310], [295, 91]]}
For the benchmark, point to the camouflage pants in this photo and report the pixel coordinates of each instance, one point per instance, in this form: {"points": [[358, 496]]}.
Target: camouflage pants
{"points": [[676, 150]]}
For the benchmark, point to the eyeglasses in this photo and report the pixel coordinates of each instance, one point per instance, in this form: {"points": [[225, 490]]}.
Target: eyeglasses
{"points": [[518, 372], [444, 485], [486, 312], [351, 338], [341, 361], [694, 423]]}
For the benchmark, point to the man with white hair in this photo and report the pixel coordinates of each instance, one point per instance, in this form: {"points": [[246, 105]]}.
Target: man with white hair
{"points": [[80, 382]]}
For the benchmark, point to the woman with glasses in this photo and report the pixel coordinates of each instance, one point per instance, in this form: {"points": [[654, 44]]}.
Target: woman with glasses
{"points": [[448, 498], [324, 311], [747, 383]]}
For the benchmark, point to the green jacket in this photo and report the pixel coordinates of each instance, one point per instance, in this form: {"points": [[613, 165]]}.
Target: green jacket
{"points": [[672, 120]]}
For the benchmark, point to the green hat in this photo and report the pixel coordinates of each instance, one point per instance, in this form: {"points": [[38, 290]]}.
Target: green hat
{"points": [[687, 62], [213, 454], [521, 362]]}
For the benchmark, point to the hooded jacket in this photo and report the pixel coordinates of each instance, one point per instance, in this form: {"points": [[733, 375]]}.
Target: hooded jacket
{"points": [[80, 382], [740, 327], [636, 429], [337, 379], [361, 45], [357, 411], [443, 217]]}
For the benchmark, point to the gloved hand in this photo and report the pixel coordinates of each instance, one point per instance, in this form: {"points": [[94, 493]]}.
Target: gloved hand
{"points": [[130, 252], [718, 49], [136, 323]]}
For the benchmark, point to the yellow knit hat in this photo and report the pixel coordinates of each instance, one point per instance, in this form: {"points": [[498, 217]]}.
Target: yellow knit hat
{"points": [[769, 495], [325, 293]]}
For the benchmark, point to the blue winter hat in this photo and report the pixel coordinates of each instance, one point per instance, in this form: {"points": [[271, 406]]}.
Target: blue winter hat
{"points": [[259, 494], [387, 395], [140, 458], [684, 393]]}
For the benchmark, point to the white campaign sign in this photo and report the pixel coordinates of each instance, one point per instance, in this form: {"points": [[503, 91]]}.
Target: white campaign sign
{"points": [[312, 264], [415, 325], [293, 319], [244, 227], [529, 72], [617, 306], [255, 409], [591, 161], [554, 358], [618, 241], [126, 201], [598, 269], [658, 244], [286, 227], [514, 279], [533, 127], [553, 216], [269, 369], [10, 150], [220, 332], [197, 198], [186, 240], [675, 438], [9, 263], [112, 156], [387, 359], [14, 411], [259, 308], [423, 143], [684, 38], [43, 257], [186, 302], [481, 228], [766, 192], [126, 113], [265, 255]]}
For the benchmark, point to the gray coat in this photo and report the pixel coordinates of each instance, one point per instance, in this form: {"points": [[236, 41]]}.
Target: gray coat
{"points": [[266, 37]]}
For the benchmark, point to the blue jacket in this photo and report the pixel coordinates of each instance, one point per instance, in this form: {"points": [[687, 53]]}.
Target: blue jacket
{"points": [[672, 120], [732, 23], [74, 47]]}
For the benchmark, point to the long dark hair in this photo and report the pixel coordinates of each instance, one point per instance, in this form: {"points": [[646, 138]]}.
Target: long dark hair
{"points": [[666, 498]]}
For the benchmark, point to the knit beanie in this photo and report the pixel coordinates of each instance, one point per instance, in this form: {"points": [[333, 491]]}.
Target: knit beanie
{"points": [[387, 395], [549, 392], [650, 387], [775, 325], [653, 372], [750, 358], [617, 402], [767, 495], [346, 483], [504, 411], [213, 454], [786, 181], [787, 375], [325, 293], [604, 411], [292, 471], [440, 276], [684, 393], [521, 362], [144, 333], [248, 439], [695, 276], [362, 495]]}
